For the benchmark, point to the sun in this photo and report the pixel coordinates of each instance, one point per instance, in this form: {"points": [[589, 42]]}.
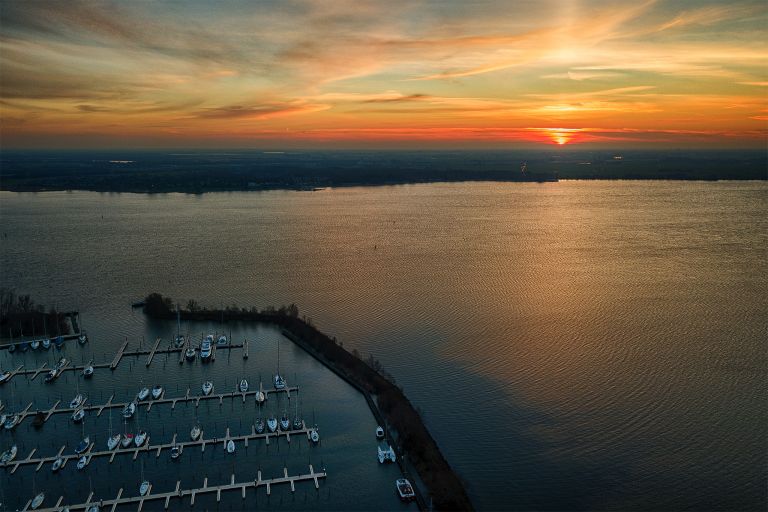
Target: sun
{"points": [[561, 136]]}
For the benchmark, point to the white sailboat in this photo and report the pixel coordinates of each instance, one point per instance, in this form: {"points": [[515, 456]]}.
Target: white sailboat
{"points": [[145, 486], [195, 432], [114, 439], [230, 446], [83, 461], [179, 339], [272, 423], [37, 501], [9, 454], [207, 387], [243, 386], [157, 391], [278, 380]]}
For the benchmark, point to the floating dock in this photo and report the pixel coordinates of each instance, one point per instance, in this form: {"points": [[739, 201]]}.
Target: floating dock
{"points": [[180, 494], [158, 448], [160, 401], [121, 353]]}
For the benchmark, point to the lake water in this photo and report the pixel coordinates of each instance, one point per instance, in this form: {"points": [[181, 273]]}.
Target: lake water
{"points": [[580, 345]]}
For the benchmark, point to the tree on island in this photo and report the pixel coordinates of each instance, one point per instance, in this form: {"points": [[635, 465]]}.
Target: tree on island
{"points": [[155, 305]]}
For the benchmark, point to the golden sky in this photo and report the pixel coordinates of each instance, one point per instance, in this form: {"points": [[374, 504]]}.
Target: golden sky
{"points": [[387, 74]]}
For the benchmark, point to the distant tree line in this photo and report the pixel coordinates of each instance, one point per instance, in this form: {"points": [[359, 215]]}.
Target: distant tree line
{"points": [[20, 316]]}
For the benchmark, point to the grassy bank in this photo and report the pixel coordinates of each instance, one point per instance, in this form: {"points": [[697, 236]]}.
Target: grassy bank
{"points": [[445, 488]]}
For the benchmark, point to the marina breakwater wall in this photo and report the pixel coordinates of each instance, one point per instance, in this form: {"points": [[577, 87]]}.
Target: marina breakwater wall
{"points": [[387, 401]]}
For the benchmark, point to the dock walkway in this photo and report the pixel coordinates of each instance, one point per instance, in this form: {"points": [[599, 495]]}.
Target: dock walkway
{"points": [[180, 494], [160, 401], [158, 448]]}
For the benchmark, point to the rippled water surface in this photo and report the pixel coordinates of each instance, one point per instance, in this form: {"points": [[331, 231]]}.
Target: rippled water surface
{"points": [[573, 345]]}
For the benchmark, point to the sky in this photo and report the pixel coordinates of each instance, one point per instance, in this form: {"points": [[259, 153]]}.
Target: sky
{"points": [[384, 74]]}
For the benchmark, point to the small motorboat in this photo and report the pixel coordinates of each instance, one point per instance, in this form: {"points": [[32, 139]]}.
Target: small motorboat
{"points": [[222, 341], [82, 339], [144, 488], [78, 416], [314, 435], [142, 394], [285, 423], [179, 340], [83, 445], [157, 392], [379, 433], [195, 432], [190, 354], [243, 386], [230, 446], [259, 426], [9, 454], [405, 489], [57, 464], [77, 401], [207, 387], [37, 501], [176, 451], [113, 441], [4, 376], [35, 344], [88, 371], [279, 382], [82, 462], [260, 397], [46, 343], [272, 423], [39, 420], [51, 375], [127, 440], [140, 438], [11, 421], [129, 410]]}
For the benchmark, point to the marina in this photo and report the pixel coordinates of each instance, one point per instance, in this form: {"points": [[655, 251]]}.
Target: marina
{"points": [[223, 437]]}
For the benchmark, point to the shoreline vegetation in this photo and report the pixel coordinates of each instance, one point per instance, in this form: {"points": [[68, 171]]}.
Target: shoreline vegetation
{"points": [[386, 399], [20, 318], [208, 171]]}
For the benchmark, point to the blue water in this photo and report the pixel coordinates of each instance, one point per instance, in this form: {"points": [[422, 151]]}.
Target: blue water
{"points": [[579, 345]]}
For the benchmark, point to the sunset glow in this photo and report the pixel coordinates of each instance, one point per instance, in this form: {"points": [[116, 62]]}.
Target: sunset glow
{"points": [[376, 74]]}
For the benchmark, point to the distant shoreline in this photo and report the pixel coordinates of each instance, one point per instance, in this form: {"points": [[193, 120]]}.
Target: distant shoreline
{"points": [[268, 188], [196, 173]]}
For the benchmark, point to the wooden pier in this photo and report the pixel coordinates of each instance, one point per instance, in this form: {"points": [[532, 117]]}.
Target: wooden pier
{"points": [[180, 494], [160, 401], [119, 355], [152, 353], [158, 448], [122, 352]]}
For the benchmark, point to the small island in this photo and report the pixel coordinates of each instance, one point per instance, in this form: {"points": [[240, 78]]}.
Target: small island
{"points": [[386, 400]]}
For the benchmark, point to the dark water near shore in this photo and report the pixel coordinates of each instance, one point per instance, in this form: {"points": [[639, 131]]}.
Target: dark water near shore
{"points": [[574, 345]]}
